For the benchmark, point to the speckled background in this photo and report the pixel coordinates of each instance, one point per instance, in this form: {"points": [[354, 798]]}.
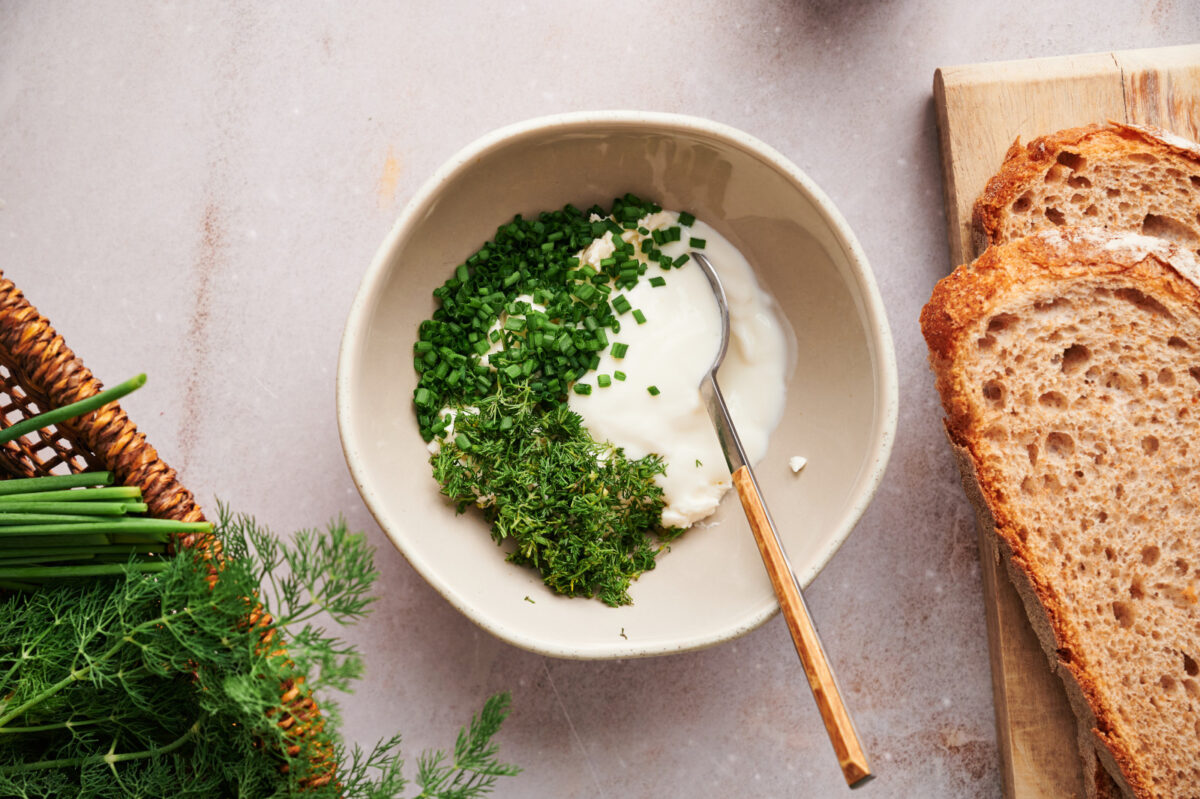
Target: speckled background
{"points": [[194, 190]]}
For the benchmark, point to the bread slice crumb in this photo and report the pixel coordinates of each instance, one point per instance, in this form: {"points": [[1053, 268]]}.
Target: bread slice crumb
{"points": [[1117, 177], [1068, 363]]}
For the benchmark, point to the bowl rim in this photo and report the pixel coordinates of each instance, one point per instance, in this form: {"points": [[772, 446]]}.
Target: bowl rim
{"points": [[874, 316]]}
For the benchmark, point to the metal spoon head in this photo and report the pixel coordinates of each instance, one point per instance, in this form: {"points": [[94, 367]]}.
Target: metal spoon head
{"points": [[710, 391], [722, 306]]}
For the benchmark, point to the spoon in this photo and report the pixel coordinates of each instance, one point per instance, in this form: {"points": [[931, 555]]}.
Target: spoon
{"points": [[837, 720]]}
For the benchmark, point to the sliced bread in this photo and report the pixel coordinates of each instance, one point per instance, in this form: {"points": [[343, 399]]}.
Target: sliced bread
{"points": [[1068, 363], [1120, 177]]}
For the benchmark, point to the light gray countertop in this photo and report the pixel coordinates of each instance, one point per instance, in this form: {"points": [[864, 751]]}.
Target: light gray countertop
{"points": [[194, 191]]}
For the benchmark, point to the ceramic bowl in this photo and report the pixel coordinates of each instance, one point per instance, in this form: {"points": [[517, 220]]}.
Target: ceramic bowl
{"points": [[841, 395]]}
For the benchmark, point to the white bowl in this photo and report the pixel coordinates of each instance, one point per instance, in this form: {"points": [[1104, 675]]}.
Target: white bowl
{"points": [[841, 402]]}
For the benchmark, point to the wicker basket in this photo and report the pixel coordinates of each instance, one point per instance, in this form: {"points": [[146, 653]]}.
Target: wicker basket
{"points": [[39, 372]]}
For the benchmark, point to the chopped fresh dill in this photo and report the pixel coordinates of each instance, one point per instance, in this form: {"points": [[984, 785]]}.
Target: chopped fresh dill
{"points": [[578, 511]]}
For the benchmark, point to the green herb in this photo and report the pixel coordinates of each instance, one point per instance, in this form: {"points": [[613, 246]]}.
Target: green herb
{"points": [[696, 244], [579, 511], [57, 527], [686, 219], [79, 408], [155, 685], [658, 282], [54, 482], [654, 392], [545, 349]]}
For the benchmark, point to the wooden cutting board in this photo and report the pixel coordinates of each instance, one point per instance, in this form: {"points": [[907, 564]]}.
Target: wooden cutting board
{"points": [[981, 109]]}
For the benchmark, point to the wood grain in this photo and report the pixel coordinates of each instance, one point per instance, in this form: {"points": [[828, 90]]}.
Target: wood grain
{"points": [[850, 755], [982, 109]]}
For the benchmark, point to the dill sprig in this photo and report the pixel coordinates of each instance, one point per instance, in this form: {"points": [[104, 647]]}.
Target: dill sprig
{"points": [[578, 510], [156, 685]]}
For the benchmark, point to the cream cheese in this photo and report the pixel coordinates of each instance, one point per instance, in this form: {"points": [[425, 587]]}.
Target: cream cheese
{"points": [[672, 351]]}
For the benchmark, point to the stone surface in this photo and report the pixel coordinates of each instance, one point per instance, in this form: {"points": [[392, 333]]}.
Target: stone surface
{"points": [[194, 190]]}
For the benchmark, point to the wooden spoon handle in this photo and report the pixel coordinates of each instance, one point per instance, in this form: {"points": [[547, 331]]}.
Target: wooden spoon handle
{"points": [[804, 634]]}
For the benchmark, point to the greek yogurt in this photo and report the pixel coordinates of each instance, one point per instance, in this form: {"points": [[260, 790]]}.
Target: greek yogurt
{"points": [[671, 352]]}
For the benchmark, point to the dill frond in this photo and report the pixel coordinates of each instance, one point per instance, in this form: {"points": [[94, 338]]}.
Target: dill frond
{"points": [[579, 511], [155, 685]]}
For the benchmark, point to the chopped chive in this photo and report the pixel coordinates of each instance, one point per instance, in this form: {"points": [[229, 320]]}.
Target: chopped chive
{"points": [[604, 381], [619, 349], [619, 375], [681, 260], [620, 304], [583, 388], [639, 317], [696, 244], [658, 282], [654, 392], [686, 219], [462, 442]]}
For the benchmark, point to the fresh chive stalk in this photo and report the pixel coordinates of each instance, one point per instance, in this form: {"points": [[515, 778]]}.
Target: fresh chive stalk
{"points": [[118, 508], [26, 573], [122, 526], [54, 482], [79, 408], [26, 519], [123, 493]]}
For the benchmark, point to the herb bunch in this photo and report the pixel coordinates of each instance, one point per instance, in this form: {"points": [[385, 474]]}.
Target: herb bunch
{"points": [[156, 684]]}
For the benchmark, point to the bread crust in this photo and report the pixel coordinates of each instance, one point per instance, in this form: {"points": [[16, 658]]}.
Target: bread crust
{"points": [[973, 292], [1025, 165]]}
